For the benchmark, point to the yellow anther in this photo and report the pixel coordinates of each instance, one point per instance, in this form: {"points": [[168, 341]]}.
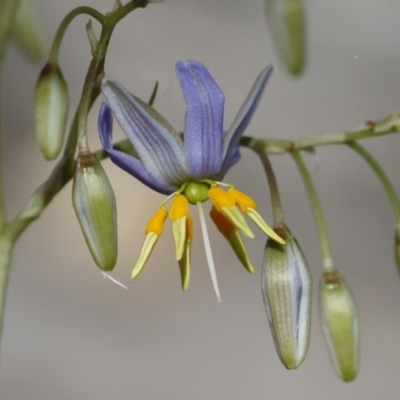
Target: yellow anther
{"points": [[156, 222], [179, 208], [221, 222], [178, 214], [225, 203], [242, 200], [220, 198]]}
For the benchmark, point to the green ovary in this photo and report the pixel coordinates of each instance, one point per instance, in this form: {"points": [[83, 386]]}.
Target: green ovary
{"points": [[196, 192]]}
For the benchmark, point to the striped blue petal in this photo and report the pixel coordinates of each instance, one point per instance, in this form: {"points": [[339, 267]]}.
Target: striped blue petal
{"points": [[204, 119], [125, 161], [243, 118], [158, 146], [232, 160]]}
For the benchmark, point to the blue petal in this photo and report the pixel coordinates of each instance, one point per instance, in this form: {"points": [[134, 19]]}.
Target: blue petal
{"points": [[244, 116], [233, 159], [128, 163], [158, 146], [203, 120]]}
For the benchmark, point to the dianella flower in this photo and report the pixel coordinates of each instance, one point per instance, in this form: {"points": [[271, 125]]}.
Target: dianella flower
{"points": [[286, 288], [187, 167]]}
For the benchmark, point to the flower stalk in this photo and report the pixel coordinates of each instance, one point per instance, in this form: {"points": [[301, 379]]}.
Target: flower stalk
{"points": [[317, 211], [8, 12], [272, 183], [389, 189], [382, 176], [387, 126]]}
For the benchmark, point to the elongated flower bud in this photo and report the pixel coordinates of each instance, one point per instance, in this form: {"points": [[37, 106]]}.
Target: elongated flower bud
{"points": [[286, 287], [397, 249], [28, 32], [285, 19], [51, 110], [338, 318], [94, 204]]}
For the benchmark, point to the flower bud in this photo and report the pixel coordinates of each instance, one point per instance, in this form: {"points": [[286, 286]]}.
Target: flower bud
{"points": [[51, 110], [94, 203], [397, 249], [285, 19], [286, 287], [27, 31], [338, 318]]}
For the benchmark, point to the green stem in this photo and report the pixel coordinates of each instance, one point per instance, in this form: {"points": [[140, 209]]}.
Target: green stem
{"points": [[317, 211], [8, 12], [387, 126], [55, 48], [115, 16], [391, 193], [338, 138], [6, 248], [273, 187], [91, 86]]}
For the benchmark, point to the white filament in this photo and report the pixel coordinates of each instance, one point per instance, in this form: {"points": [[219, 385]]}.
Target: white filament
{"points": [[113, 280], [207, 248]]}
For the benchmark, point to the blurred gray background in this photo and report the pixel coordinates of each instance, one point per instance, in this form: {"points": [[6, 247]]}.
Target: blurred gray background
{"points": [[71, 334]]}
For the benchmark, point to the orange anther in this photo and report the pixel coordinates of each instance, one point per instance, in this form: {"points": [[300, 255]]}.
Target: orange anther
{"points": [[220, 198], [189, 227], [156, 222], [221, 222], [179, 207], [242, 200]]}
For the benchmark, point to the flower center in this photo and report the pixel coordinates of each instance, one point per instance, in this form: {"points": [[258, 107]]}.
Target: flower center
{"points": [[196, 192]]}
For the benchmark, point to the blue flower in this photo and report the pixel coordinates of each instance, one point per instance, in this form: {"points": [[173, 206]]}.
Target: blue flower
{"points": [[189, 167]]}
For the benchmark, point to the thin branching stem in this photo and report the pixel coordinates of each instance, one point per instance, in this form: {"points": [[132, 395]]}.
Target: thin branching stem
{"points": [[8, 11], [273, 186], [317, 211], [383, 178]]}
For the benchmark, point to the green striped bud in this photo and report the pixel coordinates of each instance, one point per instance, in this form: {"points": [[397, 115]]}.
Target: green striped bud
{"points": [[339, 323], [94, 203], [286, 287], [27, 31], [286, 22], [51, 110]]}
